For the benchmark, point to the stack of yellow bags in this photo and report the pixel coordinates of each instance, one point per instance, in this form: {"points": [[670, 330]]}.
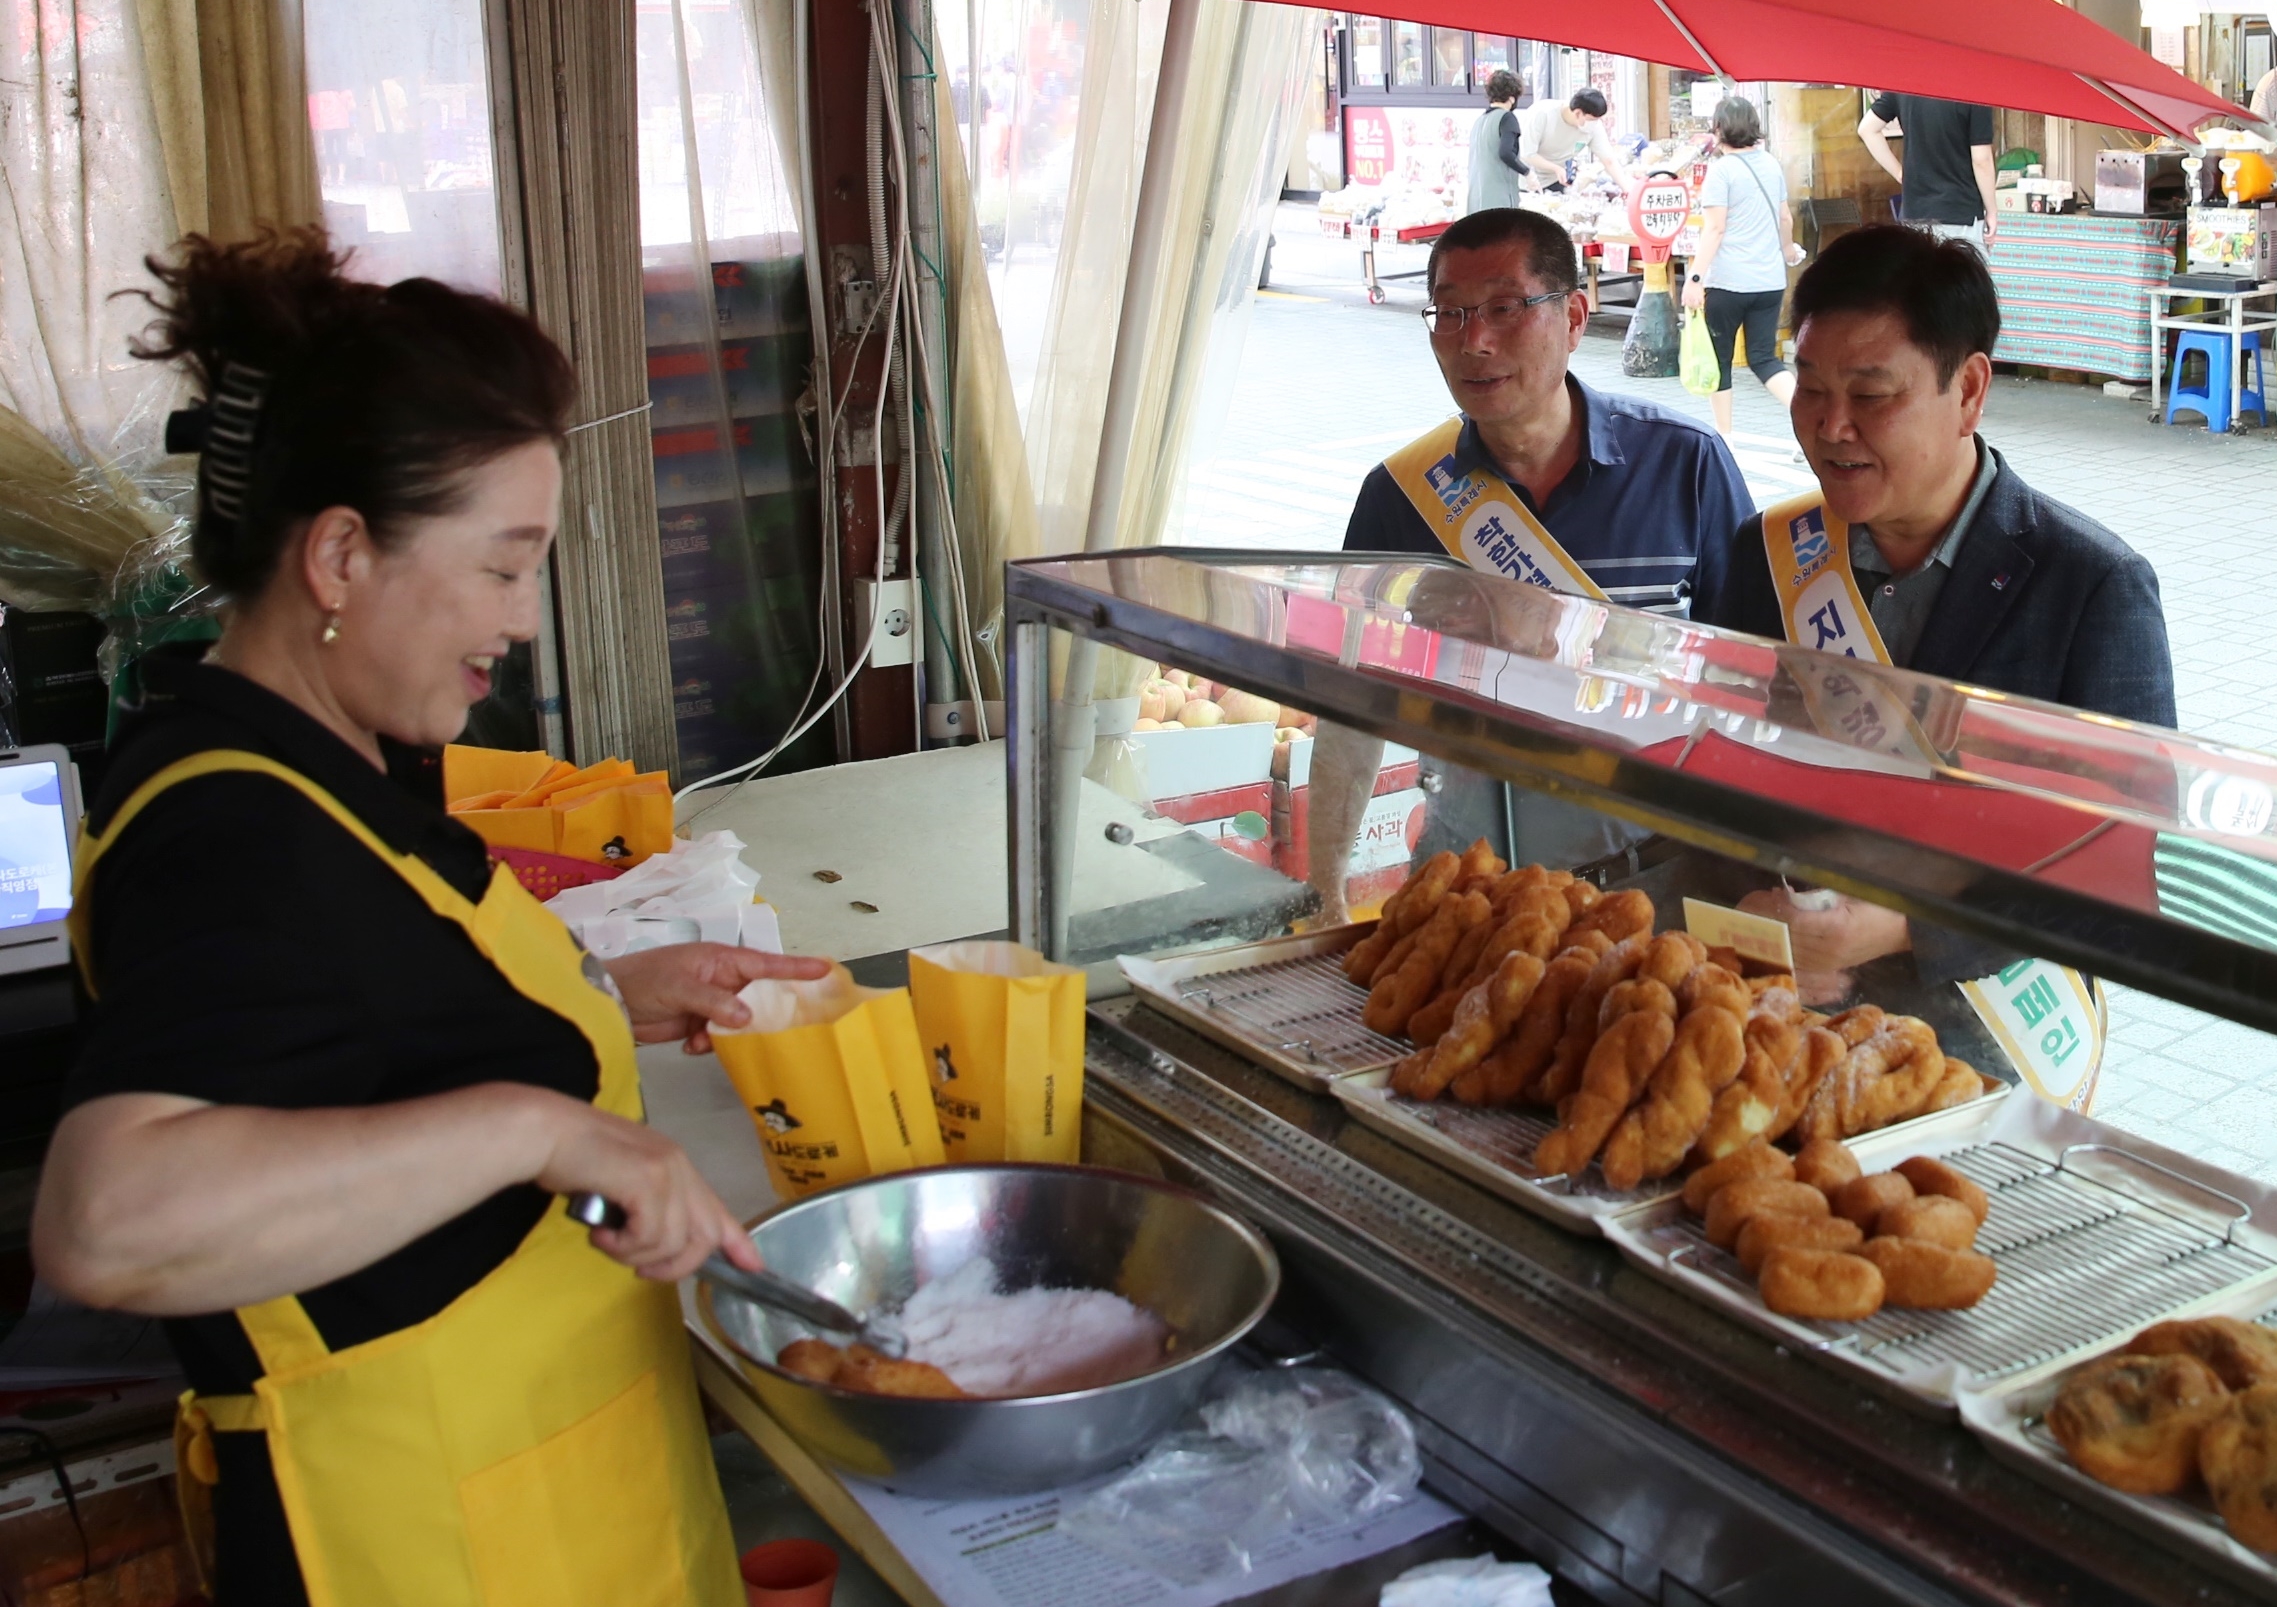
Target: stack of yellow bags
{"points": [[607, 813]]}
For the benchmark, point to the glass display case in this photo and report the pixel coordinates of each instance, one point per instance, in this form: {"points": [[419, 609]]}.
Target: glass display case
{"points": [[2034, 946]]}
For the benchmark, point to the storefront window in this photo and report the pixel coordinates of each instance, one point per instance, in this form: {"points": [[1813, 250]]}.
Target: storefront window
{"points": [[399, 102], [1450, 59], [1407, 53], [1368, 52], [723, 281], [1489, 53]]}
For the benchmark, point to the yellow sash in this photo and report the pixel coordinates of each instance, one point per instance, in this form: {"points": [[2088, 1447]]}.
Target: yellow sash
{"points": [[1809, 549], [2047, 1018], [539, 1440], [1479, 519]]}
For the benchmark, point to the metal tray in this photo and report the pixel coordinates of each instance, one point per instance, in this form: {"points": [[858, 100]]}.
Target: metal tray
{"points": [[2096, 1232], [2008, 1421], [1283, 1002], [1495, 1149]]}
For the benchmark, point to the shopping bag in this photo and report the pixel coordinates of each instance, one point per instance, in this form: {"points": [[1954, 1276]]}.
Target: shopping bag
{"points": [[1696, 361], [1004, 1028], [834, 1077]]}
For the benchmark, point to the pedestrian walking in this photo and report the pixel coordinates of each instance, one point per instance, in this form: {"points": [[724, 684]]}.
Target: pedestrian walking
{"points": [[1738, 279], [1497, 163], [1946, 172]]}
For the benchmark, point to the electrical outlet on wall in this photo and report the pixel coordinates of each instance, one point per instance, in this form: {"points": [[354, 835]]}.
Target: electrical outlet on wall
{"points": [[894, 608]]}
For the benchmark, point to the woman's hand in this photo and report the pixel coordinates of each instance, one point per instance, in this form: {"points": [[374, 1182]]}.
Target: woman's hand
{"points": [[673, 1220], [1695, 296], [1830, 943], [678, 991]]}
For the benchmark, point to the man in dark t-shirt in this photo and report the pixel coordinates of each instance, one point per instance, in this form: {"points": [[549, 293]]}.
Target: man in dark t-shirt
{"points": [[1947, 167]]}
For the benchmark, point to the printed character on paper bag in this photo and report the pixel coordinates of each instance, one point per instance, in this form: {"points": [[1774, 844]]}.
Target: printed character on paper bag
{"points": [[614, 849], [944, 1065], [777, 1116]]}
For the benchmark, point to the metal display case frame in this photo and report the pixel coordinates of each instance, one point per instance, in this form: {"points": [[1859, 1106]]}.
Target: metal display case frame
{"points": [[1647, 1447]]}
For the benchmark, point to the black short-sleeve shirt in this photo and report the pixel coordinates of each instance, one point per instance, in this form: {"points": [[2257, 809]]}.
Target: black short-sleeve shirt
{"points": [[1940, 179], [246, 949]]}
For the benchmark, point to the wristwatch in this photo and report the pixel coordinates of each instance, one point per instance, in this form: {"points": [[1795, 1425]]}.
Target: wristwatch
{"points": [[1696, 279]]}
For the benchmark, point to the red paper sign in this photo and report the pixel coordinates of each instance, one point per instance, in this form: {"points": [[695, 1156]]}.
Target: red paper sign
{"points": [[1367, 144]]}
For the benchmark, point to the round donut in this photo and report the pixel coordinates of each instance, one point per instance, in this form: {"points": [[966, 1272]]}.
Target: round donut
{"points": [[1826, 1285], [1826, 1164], [2237, 1456], [1766, 1231], [1930, 1176], [2135, 1422], [1936, 1218], [1929, 1277], [2242, 1354], [1734, 1203], [1864, 1199], [1753, 1160]]}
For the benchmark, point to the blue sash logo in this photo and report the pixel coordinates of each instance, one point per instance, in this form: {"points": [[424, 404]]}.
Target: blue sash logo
{"points": [[1813, 551], [1452, 484]]}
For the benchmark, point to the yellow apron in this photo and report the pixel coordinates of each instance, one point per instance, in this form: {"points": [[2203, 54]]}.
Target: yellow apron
{"points": [[538, 1442], [1479, 519], [2048, 1019]]}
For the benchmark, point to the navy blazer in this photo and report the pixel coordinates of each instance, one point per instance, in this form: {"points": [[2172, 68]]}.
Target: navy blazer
{"points": [[2042, 602]]}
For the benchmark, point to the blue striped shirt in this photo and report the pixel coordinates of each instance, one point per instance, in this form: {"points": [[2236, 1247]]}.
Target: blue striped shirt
{"points": [[1648, 509]]}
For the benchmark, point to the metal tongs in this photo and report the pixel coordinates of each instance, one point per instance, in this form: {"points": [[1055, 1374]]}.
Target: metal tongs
{"points": [[880, 1332]]}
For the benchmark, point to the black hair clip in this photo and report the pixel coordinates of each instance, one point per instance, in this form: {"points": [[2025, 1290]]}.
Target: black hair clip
{"points": [[230, 433], [186, 428]]}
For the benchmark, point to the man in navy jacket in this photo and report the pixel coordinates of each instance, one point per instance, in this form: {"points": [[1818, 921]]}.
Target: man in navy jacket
{"points": [[1967, 572]]}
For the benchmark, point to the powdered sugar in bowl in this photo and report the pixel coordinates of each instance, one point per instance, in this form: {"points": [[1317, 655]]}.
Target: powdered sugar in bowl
{"points": [[1083, 1310]]}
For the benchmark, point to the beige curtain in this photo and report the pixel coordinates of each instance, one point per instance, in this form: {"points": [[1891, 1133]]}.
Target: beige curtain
{"points": [[260, 159], [995, 500], [1026, 489], [112, 147]]}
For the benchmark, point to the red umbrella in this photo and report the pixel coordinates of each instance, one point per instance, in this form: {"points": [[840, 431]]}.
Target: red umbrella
{"points": [[2033, 55]]}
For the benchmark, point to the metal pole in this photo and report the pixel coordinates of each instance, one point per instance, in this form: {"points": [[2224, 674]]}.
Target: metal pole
{"points": [[921, 191], [1074, 720]]}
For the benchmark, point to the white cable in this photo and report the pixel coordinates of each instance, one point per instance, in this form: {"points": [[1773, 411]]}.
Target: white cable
{"points": [[750, 768], [921, 354]]}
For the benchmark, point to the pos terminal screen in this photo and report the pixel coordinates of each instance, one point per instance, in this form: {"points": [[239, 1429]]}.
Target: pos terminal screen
{"points": [[35, 845]]}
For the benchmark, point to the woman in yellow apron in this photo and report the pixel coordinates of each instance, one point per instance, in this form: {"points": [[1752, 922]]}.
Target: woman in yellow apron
{"points": [[336, 1075]]}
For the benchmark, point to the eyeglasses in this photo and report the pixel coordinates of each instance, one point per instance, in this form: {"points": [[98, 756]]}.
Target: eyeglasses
{"points": [[1500, 313]]}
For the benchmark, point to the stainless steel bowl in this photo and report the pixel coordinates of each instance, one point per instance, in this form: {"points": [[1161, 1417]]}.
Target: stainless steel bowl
{"points": [[1207, 1274]]}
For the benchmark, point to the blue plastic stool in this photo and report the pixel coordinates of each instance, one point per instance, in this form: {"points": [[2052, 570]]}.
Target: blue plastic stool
{"points": [[2211, 397]]}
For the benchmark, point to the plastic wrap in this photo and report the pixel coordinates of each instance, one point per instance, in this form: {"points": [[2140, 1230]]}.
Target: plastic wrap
{"points": [[1469, 1582], [699, 891], [1304, 1446], [101, 540]]}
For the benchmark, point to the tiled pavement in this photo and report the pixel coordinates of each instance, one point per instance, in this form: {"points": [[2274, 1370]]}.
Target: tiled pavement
{"points": [[1328, 384]]}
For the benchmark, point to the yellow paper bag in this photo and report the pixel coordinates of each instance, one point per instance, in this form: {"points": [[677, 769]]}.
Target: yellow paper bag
{"points": [[469, 770], [1004, 1027], [834, 1076]]}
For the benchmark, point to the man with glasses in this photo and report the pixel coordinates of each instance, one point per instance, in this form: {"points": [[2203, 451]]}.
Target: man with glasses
{"points": [[1540, 478]]}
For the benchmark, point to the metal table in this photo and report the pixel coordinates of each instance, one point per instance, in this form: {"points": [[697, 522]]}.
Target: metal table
{"points": [[2228, 316]]}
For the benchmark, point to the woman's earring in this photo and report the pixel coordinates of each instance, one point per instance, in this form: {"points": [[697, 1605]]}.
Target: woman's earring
{"points": [[331, 627]]}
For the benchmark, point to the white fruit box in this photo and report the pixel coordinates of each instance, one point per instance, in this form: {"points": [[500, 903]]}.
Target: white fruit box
{"points": [[1207, 758]]}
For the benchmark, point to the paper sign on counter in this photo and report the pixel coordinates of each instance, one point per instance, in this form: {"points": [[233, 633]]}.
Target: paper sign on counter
{"points": [[1752, 937]]}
